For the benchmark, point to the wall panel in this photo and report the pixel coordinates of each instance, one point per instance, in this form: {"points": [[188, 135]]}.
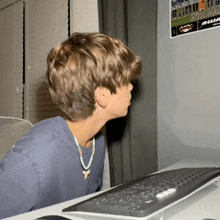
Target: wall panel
{"points": [[11, 59], [46, 26]]}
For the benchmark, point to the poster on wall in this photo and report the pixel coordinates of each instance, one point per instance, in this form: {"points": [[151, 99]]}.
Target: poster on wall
{"points": [[188, 16]]}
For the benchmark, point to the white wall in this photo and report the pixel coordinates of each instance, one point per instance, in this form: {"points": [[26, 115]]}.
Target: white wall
{"points": [[84, 16], [188, 93]]}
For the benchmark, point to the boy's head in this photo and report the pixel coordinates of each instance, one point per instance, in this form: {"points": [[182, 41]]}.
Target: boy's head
{"points": [[84, 62]]}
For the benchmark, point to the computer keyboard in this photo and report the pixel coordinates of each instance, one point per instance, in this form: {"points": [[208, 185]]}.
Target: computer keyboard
{"points": [[147, 195]]}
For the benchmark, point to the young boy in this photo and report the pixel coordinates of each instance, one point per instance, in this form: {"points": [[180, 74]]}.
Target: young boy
{"points": [[89, 77]]}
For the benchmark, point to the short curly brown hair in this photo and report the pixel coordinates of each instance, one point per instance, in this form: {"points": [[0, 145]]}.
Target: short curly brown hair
{"points": [[85, 61]]}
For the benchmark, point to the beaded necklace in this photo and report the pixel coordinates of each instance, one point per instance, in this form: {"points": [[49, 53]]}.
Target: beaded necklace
{"points": [[86, 170]]}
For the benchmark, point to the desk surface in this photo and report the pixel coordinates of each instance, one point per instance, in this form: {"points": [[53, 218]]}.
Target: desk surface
{"points": [[204, 204]]}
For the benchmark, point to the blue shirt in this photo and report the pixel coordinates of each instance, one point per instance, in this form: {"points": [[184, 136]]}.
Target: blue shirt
{"points": [[44, 168]]}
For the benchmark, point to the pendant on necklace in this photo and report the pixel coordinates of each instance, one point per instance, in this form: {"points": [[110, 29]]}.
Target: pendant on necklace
{"points": [[86, 173]]}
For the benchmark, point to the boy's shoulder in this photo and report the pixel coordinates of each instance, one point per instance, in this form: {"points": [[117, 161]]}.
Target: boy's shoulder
{"points": [[50, 124], [43, 132]]}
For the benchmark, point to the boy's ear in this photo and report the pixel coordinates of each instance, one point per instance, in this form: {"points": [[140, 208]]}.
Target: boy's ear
{"points": [[102, 96]]}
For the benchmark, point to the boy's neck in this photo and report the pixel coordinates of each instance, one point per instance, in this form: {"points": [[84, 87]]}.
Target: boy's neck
{"points": [[85, 130]]}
